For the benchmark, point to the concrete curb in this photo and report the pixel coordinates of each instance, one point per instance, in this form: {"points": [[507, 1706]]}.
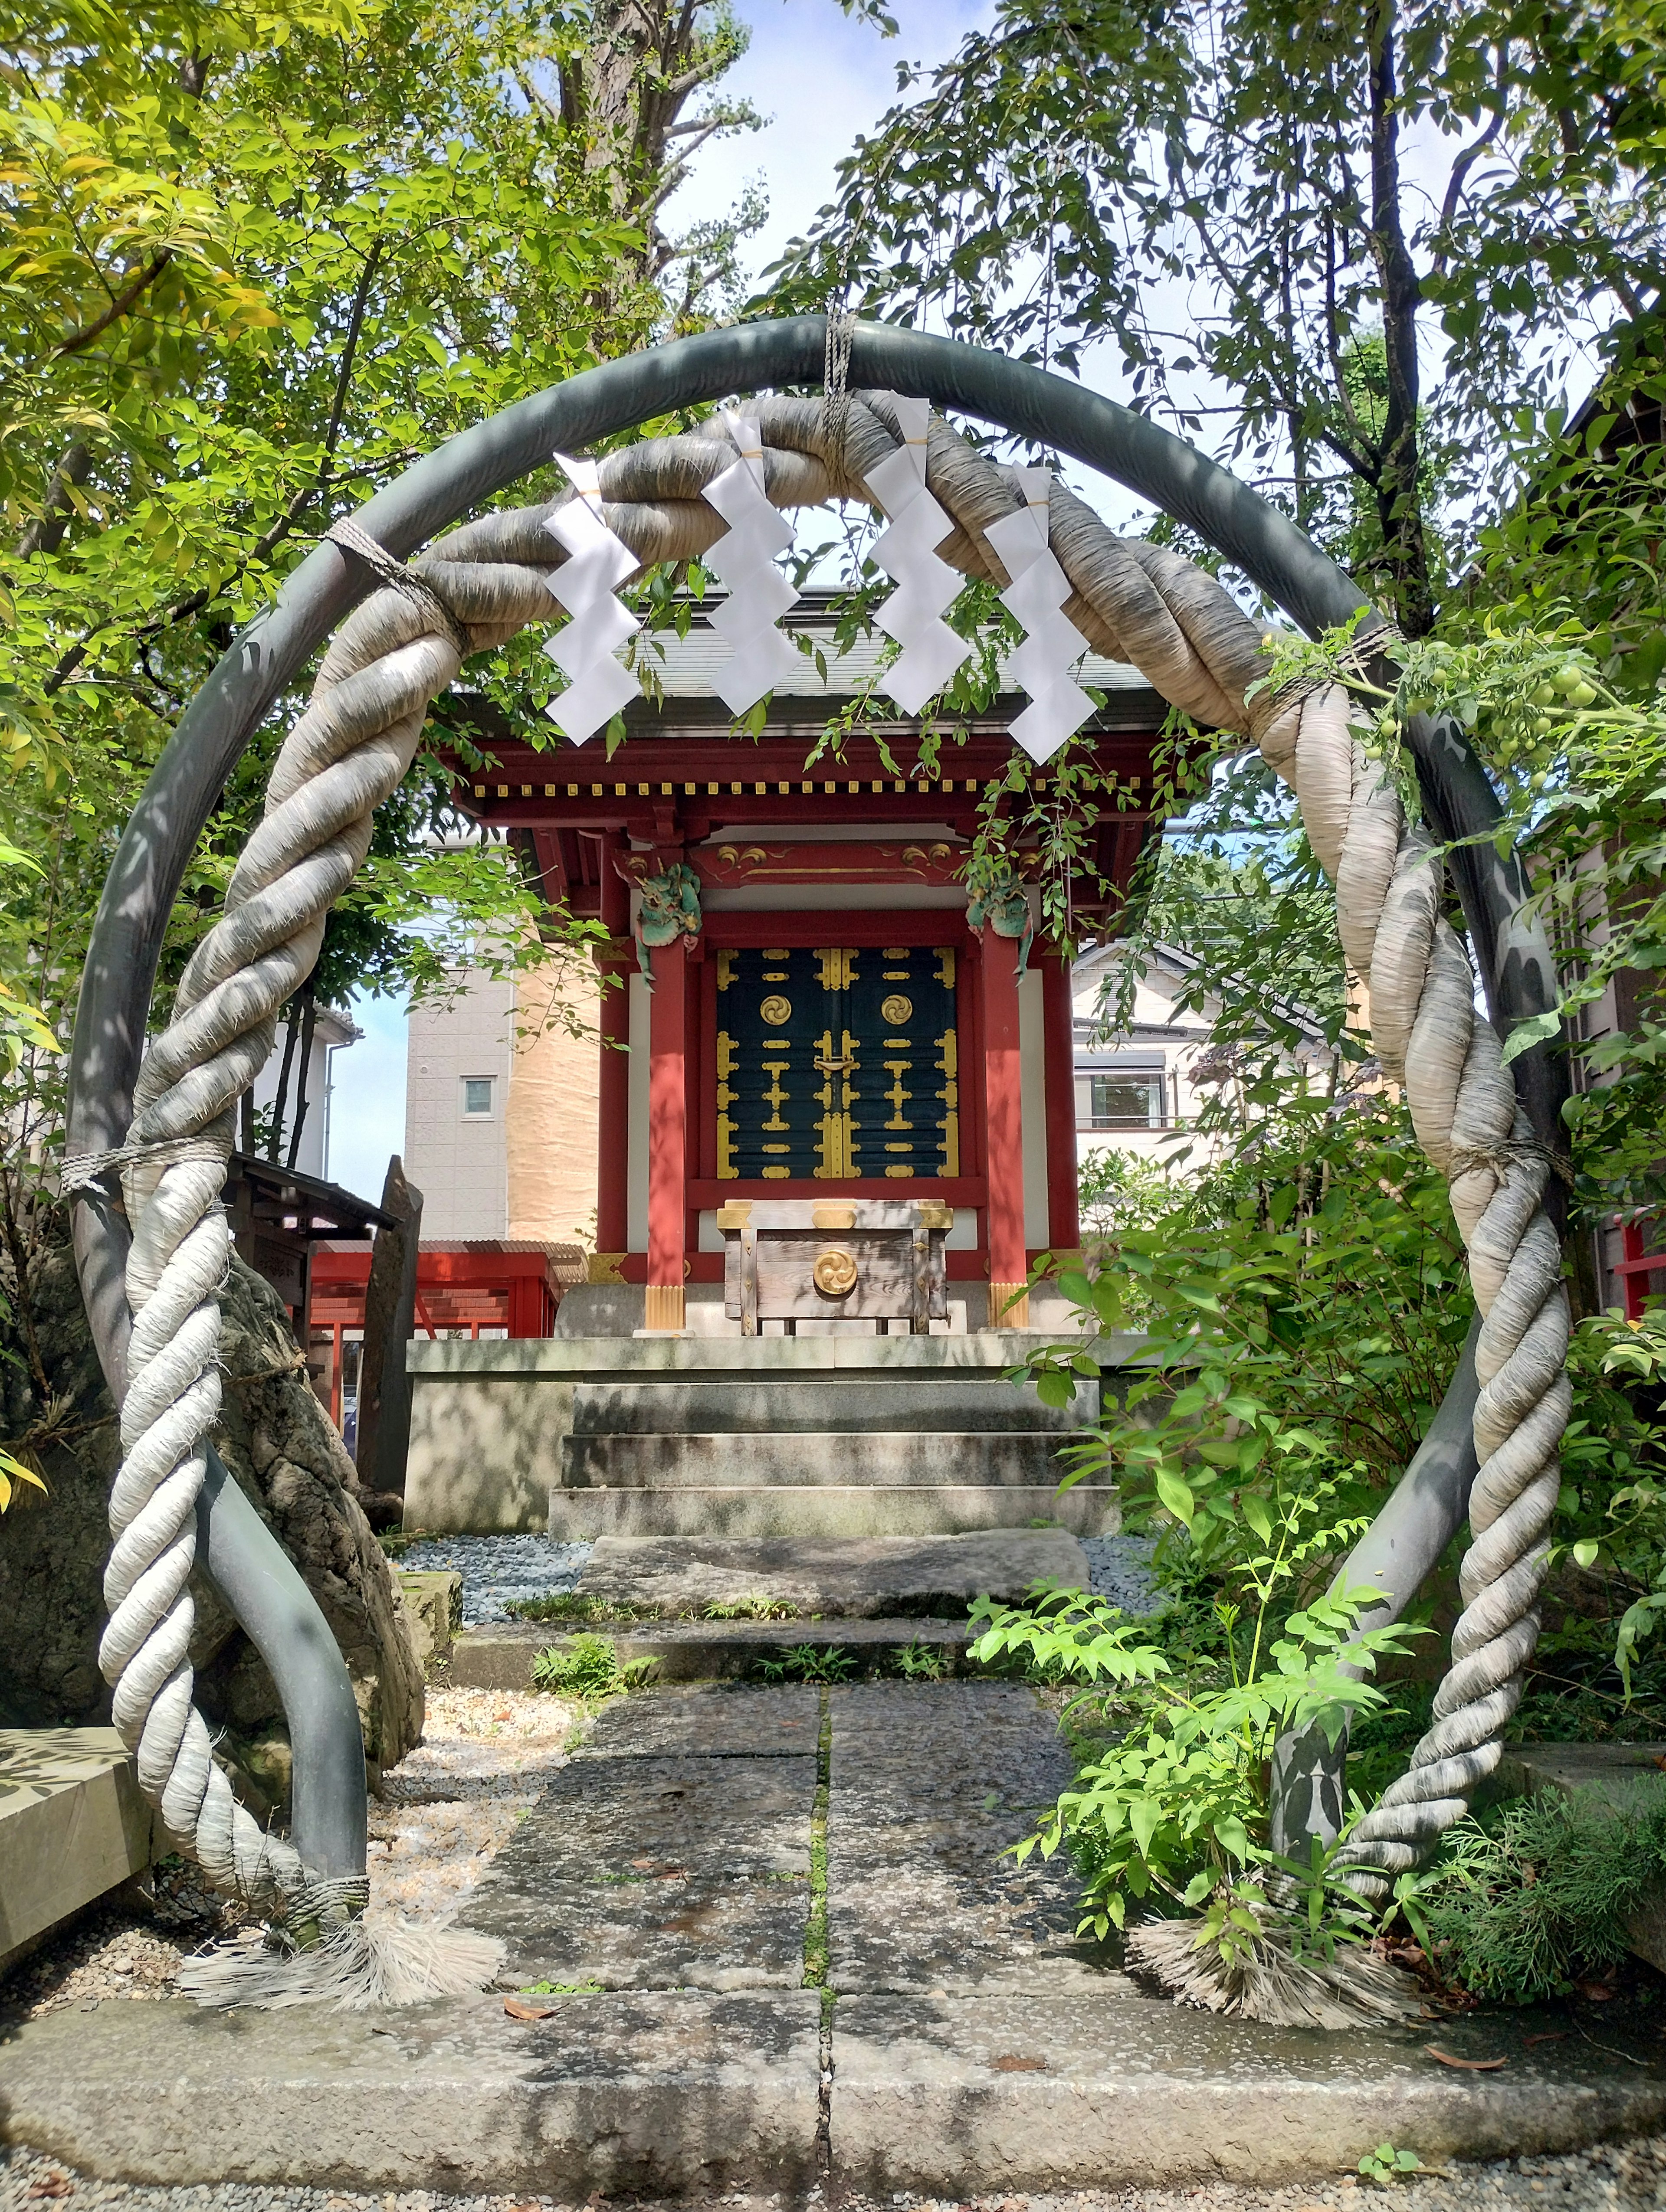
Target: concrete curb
{"points": [[501, 1658], [670, 2093]]}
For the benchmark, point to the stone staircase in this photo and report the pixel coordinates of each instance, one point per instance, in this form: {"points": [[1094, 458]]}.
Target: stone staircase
{"points": [[848, 1436]]}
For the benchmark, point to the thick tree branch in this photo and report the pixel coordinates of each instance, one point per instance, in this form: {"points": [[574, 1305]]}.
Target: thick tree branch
{"points": [[123, 304]]}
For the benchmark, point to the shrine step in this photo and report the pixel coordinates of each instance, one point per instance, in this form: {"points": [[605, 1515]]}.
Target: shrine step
{"points": [[811, 1509], [755, 1459], [886, 1399]]}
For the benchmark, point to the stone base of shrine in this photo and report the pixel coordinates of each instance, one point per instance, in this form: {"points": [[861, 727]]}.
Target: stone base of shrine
{"points": [[815, 1436]]}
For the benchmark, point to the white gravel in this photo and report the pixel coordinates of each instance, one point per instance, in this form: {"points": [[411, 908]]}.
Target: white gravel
{"points": [[486, 1757], [495, 1569]]}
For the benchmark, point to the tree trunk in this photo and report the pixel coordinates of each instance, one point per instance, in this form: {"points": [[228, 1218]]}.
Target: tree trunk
{"points": [[1399, 502], [275, 1139], [308, 1026]]}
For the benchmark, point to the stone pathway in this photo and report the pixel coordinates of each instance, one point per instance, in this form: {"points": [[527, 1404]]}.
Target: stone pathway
{"points": [[768, 1949]]}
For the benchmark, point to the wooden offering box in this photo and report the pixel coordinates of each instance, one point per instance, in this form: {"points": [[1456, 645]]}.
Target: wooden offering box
{"points": [[794, 1259]]}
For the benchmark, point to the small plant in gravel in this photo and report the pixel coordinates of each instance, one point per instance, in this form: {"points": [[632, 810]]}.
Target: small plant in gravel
{"points": [[588, 1669], [1385, 2165], [585, 1989], [809, 1663], [755, 1605], [577, 1605], [921, 1662]]}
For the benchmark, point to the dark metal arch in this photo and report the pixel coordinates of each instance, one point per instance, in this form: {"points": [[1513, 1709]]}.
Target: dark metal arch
{"points": [[437, 491]]}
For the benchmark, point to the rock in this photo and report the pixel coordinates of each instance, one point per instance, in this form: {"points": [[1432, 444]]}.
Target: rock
{"points": [[433, 1608], [281, 1448]]}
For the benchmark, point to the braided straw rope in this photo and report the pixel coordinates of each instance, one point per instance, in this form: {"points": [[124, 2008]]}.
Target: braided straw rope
{"points": [[1135, 602]]}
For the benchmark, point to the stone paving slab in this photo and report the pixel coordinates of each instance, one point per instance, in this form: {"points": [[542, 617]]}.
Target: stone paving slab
{"points": [[869, 1578], [930, 1784], [959, 2097], [709, 1723], [654, 2095], [656, 1872]]}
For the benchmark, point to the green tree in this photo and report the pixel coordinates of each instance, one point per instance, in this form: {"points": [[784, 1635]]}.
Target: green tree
{"points": [[1247, 191], [258, 257]]}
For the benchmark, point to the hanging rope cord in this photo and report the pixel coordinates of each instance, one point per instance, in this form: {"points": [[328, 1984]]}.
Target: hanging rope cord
{"points": [[353, 746]]}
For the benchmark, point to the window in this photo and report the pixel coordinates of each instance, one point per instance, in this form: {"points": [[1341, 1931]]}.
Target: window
{"points": [[1129, 1099], [478, 1097]]}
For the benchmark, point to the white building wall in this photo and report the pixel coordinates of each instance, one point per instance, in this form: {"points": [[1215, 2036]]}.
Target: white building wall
{"points": [[331, 1032], [460, 1160]]}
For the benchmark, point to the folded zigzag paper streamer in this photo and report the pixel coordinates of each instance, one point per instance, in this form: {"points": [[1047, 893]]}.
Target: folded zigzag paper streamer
{"points": [[907, 552], [1053, 646], [597, 563], [743, 559]]}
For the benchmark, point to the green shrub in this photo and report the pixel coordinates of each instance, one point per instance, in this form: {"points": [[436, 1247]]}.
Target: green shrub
{"points": [[1176, 1810], [588, 1667], [1519, 1905]]}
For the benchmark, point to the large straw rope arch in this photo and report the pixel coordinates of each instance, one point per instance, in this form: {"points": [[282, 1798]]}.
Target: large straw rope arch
{"points": [[475, 588]]}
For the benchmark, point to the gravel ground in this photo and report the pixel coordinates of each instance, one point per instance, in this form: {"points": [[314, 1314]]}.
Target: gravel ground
{"points": [[1628, 2176], [486, 1756], [495, 1569], [1120, 1567]]}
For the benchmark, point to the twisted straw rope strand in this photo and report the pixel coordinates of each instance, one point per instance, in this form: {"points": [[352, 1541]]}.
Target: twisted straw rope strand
{"points": [[1140, 603]]}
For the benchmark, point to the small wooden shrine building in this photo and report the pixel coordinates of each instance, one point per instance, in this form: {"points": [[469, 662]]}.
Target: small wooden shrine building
{"points": [[824, 1021]]}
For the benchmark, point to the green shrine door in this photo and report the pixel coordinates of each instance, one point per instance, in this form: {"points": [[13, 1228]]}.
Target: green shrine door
{"points": [[837, 1063]]}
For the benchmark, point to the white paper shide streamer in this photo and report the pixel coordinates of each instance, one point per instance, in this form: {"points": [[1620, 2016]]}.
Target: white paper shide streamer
{"points": [[907, 552], [598, 686], [744, 558], [1053, 646]]}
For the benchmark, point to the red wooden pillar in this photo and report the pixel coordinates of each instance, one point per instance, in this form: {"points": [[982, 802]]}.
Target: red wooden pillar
{"points": [[1003, 1121], [667, 1136], [616, 963], [1064, 1228]]}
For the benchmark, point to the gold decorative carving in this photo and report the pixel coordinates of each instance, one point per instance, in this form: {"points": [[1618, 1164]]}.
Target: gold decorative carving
{"points": [[735, 1214], [833, 1217], [605, 1267], [896, 1010], [835, 1273], [775, 1011], [934, 1215]]}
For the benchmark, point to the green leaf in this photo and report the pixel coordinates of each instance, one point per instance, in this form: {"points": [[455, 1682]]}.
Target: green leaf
{"points": [[1539, 1030], [1177, 1495]]}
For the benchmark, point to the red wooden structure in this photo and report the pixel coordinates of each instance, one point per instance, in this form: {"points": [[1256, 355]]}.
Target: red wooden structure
{"points": [[843, 853], [507, 1289], [1636, 1267]]}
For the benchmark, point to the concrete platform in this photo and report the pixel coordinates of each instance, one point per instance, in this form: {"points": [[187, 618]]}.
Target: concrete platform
{"points": [[73, 1825], [655, 2094], [811, 1401], [829, 1510], [957, 2042], [490, 1420]]}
